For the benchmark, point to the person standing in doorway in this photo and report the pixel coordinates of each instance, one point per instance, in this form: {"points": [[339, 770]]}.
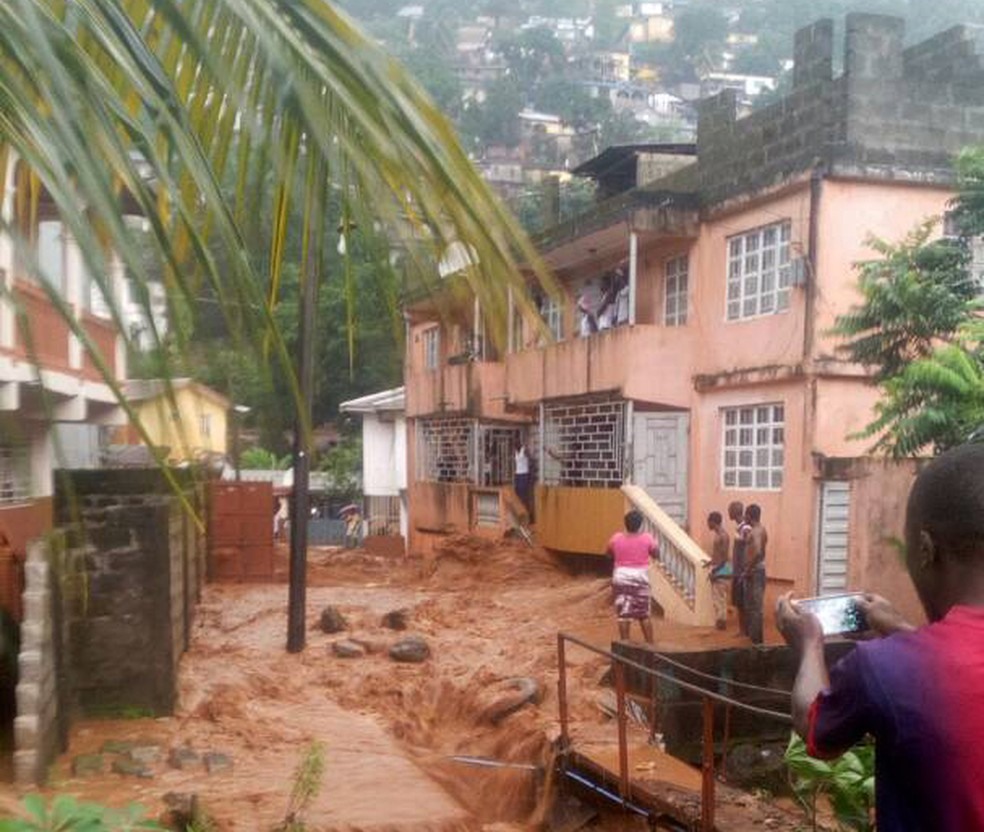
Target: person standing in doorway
{"points": [[736, 513], [720, 566], [631, 551], [753, 575], [523, 477]]}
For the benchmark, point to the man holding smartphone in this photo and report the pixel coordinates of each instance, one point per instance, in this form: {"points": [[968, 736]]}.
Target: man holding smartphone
{"points": [[917, 691]]}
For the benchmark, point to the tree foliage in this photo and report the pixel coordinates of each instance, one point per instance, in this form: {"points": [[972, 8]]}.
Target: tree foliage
{"points": [[150, 106], [918, 328]]}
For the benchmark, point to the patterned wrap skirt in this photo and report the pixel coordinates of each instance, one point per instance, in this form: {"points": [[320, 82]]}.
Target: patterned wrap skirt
{"points": [[630, 586]]}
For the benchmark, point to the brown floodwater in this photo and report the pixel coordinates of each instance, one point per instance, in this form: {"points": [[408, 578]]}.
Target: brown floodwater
{"points": [[490, 612]]}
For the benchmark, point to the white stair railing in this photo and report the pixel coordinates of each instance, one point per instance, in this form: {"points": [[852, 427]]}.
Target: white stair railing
{"points": [[680, 577]]}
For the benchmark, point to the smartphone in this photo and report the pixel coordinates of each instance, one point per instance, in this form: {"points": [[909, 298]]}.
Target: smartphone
{"points": [[838, 614]]}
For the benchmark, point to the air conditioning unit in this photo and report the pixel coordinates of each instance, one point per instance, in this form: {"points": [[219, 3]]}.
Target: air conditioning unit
{"points": [[799, 271]]}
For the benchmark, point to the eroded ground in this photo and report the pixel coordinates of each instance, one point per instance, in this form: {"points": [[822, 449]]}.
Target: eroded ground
{"points": [[490, 613]]}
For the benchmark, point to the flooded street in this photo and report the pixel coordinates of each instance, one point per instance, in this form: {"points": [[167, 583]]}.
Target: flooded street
{"points": [[489, 612]]}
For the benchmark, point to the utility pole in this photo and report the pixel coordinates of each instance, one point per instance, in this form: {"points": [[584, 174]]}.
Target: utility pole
{"points": [[300, 511]]}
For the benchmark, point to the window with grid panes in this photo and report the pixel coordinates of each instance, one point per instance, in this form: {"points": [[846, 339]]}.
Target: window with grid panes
{"points": [[759, 272], [675, 295], [432, 348], [15, 474], [516, 342], [754, 439], [553, 316]]}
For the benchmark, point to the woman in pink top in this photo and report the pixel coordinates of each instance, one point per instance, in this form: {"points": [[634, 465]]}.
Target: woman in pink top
{"points": [[631, 552]]}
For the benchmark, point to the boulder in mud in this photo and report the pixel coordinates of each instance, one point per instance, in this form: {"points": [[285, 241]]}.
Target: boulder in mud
{"points": [[184, 758], [397, 619], [216, 762], [509, 696], [332, 621], [84, 765], [131, 768], [145, 754], [348, 649], [411, 649], [758, 766]]}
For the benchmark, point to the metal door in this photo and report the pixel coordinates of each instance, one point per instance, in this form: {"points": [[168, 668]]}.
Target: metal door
{"points": [[832, 541], [660, 453]]}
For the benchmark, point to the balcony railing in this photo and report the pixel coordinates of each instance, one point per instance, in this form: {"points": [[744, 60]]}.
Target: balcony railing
{"points": [[644, 362], [681, 575]]}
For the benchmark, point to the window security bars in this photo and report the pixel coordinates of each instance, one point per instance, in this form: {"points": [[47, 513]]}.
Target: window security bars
{"points": [[584, 444]]}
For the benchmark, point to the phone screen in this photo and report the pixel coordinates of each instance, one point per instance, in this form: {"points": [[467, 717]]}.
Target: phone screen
{"points": [[837, 613]]}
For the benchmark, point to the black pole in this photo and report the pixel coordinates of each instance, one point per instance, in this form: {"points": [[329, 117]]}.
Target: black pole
{"points": [[300, 513]]}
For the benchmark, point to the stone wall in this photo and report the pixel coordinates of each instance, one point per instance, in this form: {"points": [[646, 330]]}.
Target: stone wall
{"points": [[109, 613], [37, 734], [894, 113]]}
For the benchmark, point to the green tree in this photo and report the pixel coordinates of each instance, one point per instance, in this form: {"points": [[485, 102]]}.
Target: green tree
{"points": [[699, 32], [569, 99], [149, 106], [918, 329], [531, 55], [496, 119]]}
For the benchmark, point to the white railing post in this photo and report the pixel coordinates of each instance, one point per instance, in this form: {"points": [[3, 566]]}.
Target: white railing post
{"points": [[681, 586]]}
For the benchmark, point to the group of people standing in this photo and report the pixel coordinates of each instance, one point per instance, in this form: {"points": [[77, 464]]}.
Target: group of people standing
{"points": [[737, 564], [743, 572]]}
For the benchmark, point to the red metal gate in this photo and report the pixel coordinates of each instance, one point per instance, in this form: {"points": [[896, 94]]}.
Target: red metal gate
{"points": [[240, 531]]}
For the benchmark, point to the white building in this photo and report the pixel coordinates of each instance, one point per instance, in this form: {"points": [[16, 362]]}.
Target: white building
{"points": [[384, 459]]}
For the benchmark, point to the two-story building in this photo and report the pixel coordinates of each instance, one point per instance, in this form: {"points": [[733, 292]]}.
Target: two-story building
{"points": [[691, 362], [46, 376]]}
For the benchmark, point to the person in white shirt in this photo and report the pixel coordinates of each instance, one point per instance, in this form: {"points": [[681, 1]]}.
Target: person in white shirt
{"points": [[522, 476]]}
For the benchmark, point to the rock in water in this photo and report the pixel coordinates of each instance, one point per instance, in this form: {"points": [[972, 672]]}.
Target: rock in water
{"points": [[396, 619], [332, 621], [348, 649], [184, 758], [86, 764], [410, 649], [215, 762]]}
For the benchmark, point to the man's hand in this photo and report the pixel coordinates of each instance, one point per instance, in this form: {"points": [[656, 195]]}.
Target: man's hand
{"points": [[800, 629], [804, 634], [881, 616]]}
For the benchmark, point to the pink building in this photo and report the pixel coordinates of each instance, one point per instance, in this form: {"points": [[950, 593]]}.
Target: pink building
{"points": [[712, 377]]}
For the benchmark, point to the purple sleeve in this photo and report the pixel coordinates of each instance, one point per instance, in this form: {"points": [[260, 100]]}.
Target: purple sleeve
{"points": [[841, 714]]}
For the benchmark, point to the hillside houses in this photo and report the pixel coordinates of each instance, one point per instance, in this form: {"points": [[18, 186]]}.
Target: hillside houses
{"points": [[711, 375]]}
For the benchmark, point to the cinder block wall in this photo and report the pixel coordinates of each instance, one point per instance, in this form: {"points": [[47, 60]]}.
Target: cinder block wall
{"points": [[109, 613], [893, 113]]}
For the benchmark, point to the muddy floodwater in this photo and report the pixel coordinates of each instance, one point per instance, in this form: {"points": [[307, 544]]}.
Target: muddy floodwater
{"points": [[489, 612]]}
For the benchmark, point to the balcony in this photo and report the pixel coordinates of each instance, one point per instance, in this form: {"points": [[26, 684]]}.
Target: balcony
{"points": [[645, 362], [476, 388]]}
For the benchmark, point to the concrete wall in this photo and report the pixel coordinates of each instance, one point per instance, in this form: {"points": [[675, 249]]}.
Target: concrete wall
{"points": [[132, 574], [384, 453], [108, 606]]}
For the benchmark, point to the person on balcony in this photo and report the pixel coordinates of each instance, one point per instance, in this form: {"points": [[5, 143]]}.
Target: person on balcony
{"points": [[631, 552], [720, 568], [523, 477], [917, 691]]}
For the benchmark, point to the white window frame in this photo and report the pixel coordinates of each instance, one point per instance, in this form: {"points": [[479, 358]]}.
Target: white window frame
{"points": [[676, 280], [432, 347], [552, 312], [753, 439], [52, 260], [205, 425], [516, 339], [15, 474], [759, 272]]}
